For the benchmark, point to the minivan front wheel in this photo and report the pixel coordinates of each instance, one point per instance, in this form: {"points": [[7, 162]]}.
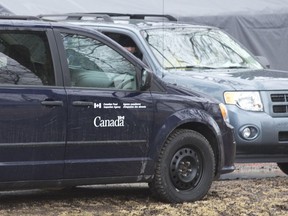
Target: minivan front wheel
{"points": [[283, 167], [185, 168]]}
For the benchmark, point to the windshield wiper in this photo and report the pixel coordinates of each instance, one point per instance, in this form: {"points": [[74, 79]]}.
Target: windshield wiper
{"points": [[233, 67], [206, 67], [191, 67]]}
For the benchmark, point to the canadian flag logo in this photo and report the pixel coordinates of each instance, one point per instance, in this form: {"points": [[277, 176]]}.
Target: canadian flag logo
{"points": [[97, 105]]}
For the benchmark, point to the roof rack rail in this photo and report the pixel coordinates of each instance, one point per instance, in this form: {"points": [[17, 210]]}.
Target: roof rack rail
{"points": [[17, 17], [141, 16], [77, 16], [107, 17]]}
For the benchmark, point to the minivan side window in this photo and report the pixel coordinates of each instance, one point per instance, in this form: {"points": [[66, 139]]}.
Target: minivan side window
{"points": [[25, 58], [93, 64]]}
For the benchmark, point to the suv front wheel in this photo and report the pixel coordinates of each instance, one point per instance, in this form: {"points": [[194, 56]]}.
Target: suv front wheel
{"points": [[283, 167], [185, 168]]}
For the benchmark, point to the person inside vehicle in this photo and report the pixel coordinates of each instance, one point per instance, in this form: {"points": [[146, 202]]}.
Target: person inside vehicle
{"points": [[130, 45]]}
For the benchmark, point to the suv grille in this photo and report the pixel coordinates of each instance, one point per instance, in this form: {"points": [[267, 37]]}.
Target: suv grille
{"points": [[279, 104], [283, 136], [280, 109], [279, 97]]}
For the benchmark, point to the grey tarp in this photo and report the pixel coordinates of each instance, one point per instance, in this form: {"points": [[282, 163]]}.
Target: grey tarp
{"points": [[4, 11], [260, 25]]}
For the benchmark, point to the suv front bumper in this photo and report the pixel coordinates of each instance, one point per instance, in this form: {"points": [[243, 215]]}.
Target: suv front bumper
{"points": [[269, 143]]}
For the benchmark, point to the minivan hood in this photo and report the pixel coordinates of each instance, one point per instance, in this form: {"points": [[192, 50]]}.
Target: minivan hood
{"points": [[233, 79]]}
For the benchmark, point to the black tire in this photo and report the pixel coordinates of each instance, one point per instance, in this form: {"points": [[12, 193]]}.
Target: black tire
{"points": [[185, 168], [283, 167]]}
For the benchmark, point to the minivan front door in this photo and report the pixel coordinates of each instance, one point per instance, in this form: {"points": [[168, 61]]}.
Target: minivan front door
{"points": [[105, 105]]}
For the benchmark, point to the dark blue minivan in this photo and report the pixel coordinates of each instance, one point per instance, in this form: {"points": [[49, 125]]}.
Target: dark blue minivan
{"points": [[76, 109]]}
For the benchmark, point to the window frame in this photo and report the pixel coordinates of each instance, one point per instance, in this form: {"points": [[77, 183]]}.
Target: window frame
{"points": [[103, 39]]}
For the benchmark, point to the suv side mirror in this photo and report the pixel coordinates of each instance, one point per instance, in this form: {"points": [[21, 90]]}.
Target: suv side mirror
{"points": [[145, 79], [263, 61]]}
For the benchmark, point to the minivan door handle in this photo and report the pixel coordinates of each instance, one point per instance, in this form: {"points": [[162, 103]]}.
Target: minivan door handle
{"points": [[83, 103], [52, 103]]}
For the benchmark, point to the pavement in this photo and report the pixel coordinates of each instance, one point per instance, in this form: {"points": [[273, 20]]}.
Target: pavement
{"points": [[254, 170]]}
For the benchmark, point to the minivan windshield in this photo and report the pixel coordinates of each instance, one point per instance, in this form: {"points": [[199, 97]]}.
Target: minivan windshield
{"points": [[199, 48]]}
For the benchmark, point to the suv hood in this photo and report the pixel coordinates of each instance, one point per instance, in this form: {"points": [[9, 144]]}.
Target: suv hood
{"points": [[233, 79], [216, 82]]}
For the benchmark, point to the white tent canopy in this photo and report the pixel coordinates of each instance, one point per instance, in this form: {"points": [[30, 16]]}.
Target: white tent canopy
{"points": [[178, 8]]}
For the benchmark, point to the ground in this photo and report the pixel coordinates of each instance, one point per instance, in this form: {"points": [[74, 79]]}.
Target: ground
{"points": [[253, 189]]}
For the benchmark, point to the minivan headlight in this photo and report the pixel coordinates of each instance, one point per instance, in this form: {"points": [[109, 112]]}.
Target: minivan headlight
{"points": [[224, 112], [246, 100]]}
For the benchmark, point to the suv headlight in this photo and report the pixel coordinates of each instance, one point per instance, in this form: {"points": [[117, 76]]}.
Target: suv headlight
{"points": [[250, 101]]}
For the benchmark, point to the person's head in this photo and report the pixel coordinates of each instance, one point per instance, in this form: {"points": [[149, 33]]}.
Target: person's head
{"points": [[128, 44], [131, 49]]}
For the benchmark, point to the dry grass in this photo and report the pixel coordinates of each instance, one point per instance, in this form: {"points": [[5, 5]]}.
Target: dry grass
{"points": [[258, 196]]}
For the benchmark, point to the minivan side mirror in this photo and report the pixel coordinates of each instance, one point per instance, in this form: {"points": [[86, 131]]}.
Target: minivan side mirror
{"points": [[146, 78], [263, 61]]}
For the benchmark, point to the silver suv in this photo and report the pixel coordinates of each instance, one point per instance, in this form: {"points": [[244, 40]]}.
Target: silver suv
{"points": [[208, 60]]}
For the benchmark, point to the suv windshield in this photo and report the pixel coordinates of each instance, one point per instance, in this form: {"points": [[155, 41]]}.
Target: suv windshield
{"points": [[186, 48]]}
